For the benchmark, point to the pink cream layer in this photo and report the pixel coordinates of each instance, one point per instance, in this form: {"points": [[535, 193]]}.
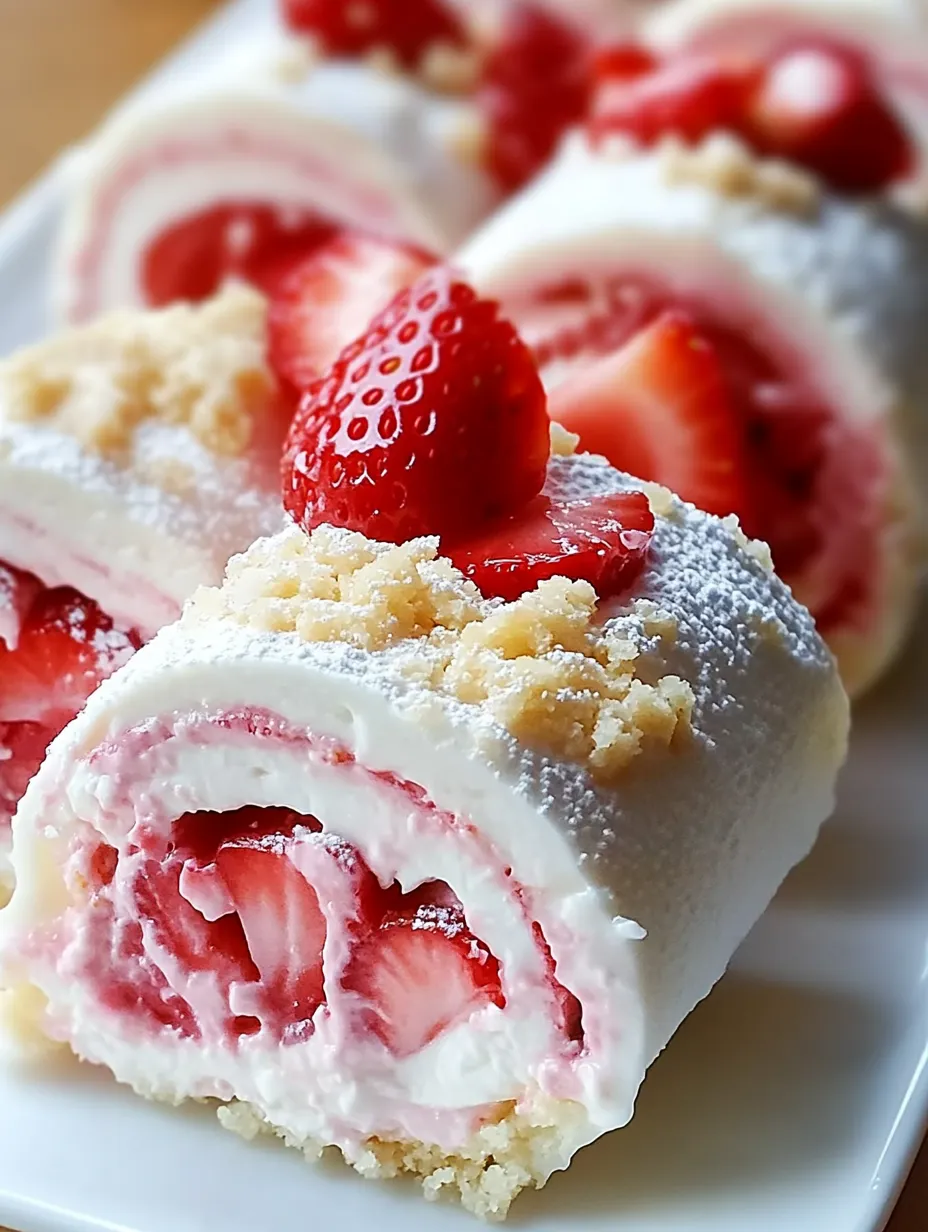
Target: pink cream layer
{"points": [[177, 935], [376, 209]]}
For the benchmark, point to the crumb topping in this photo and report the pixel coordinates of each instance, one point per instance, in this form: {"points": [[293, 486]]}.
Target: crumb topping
{"points": [[447, 69], [662, 501], [542, 666], [754, 547], [516, 1150], [199, 366], [726, 165], [563, 443]]}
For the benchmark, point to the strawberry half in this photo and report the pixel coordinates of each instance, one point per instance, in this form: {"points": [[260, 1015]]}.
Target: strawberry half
{"points": [[18, 591], [420, 974], [432, 423], [660, 409], [603, 541], [257, 243], [67, 646], [818, 105], [328, 298], [535, 84], [408, 28]]}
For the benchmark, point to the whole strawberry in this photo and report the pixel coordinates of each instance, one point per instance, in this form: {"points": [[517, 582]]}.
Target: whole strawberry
{"points": [[432, 423]]}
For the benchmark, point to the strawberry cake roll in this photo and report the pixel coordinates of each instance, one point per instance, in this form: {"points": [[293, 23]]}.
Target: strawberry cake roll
{"points": [[136, 456], [421, 834], [385, 865], [235, 171], [729, 327], [406, 129], [889, 37]]}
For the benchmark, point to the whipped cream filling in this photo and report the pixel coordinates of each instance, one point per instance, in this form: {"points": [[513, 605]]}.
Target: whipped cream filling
{"points": [[127, 594], [139, 550], [339, 1085]]}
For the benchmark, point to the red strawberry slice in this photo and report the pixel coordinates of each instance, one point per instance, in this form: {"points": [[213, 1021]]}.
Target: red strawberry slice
{"points": [[18, 590], [432, 423], [420, 974], [186, 940], [22, 751], [127, 981], [621, 62], [327, 299], [603, 540], [257, 243], [660, 409], [66, 647], [818, 105], [569, 1009], [535, 84], [408, 28], [690, 97], [283, 923]]}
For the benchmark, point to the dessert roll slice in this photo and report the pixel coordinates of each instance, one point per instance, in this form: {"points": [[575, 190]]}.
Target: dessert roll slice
{"points": [[405, 128], [729, 327], [382, 864], [274, 151], [889, 38], [136, 456]]}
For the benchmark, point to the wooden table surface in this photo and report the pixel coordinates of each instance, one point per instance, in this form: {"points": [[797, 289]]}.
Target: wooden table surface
{"points": [[61, 63]]}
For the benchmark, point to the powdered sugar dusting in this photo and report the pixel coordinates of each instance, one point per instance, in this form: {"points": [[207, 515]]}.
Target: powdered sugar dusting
{"points": [[720, 598]]}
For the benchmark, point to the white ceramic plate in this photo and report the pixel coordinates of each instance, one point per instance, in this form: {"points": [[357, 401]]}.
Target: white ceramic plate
{"points": [[791, 1101]]}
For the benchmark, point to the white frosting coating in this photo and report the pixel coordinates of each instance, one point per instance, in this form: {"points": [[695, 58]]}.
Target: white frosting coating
{"points": [[78, 519], [689, 848], [267, 125]]}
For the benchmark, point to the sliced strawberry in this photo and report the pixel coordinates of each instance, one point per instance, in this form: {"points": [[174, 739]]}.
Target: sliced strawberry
{"points": [[66, 647], [198, 836], [569, 1009], [432, 423], [660, 409], [191, 259], [535, 84], [186, 939], [22, 751], [603, 540], [818, 105], [420, 974], [283, 923], [18, 591], [126, 979], [329, 298], [407, 28], [690, 97], [622, 62], [428, 894]]}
